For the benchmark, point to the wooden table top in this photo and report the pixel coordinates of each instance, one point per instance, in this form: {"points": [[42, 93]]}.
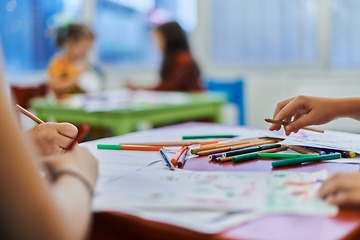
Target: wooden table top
{"points": [[345, 225]]}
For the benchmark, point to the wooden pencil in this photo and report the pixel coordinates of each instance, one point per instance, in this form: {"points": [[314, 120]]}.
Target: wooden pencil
{"points": [[274, 150], [236, 147], [176, 157], [171, 144], [29, 114], [269, 120], [222, 145], [182, 158], [166, 144], [302, 150]]}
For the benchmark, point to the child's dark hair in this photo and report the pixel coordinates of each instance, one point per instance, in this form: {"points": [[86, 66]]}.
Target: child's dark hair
{"points": [[72, 31], [175, 41]]}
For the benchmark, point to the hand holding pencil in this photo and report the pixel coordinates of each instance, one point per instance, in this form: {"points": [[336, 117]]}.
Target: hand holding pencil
{"points": [[50, 138], [302, 111]]}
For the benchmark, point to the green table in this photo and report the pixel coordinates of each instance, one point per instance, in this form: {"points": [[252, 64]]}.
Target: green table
{"points": [[124, 120]]}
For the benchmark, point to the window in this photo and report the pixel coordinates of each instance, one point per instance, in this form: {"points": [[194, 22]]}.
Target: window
{"points": [[264, 32], [124, 27], [24, 28], [345, 34]]}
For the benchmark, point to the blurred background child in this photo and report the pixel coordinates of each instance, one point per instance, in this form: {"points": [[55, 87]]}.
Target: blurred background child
{"points": [[66, 67], [179, 71]]}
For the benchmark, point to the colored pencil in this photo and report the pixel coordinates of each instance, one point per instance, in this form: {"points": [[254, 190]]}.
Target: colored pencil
{"points": [[172, 144], [232, 148], [201, 149], [221, 145], [29, 114], [166, 158], [129, 147], [84, 129], [274, 150], [166, 144], [176, 157], [296, 161], [269, 120], [302, 150], [251, 149], [182, 158], [208, 136], [253, 156]]}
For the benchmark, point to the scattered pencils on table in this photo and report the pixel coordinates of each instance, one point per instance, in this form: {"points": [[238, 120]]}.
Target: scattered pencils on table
{"points": [[229, 148]]}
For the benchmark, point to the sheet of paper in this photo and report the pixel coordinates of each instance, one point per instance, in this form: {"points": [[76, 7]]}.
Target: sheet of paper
{"points": [[153, 188], [329, 139]]}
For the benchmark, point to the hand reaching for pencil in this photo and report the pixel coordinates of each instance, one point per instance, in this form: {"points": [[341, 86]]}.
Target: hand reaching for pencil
{"points": [[52, 138], [302, 111]]}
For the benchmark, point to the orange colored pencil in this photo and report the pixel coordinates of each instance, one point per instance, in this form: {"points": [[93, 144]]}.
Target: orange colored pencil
{"points": [[176, 157], [84, 129], [141, 148], [210, 142]]}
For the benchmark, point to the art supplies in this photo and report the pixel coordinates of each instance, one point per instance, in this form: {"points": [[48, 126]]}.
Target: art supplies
{"points": [[172, 144], [208, 136], [232, 148], [29, 114], [269, 120], [215, 156], [176, 157], [197, 150], [283, 155], [129, 147], [302, 150], [222, 145], [251, 149], [323, 151], [84, 129], [227, 159], [245, 157], [253, 156], [351, 154], [182, 158], [296, 161], [166, 158]]}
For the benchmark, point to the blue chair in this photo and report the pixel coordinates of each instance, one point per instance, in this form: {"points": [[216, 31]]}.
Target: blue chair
{"points": [[235, 92]]}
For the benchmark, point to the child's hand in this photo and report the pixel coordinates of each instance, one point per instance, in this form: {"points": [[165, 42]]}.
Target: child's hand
{"points": [[303, 111], [52, 138], [342, 189]]}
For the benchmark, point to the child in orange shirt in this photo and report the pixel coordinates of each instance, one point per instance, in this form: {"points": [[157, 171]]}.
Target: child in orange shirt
{"points": [[65, 67]]}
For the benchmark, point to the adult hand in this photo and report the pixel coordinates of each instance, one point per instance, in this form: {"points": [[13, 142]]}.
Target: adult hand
{"points": [[52, 138], [78, 160], [342, 189], [303, 111]]}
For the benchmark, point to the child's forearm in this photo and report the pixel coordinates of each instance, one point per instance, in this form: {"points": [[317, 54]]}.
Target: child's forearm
{"points": [[348, 107]]}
